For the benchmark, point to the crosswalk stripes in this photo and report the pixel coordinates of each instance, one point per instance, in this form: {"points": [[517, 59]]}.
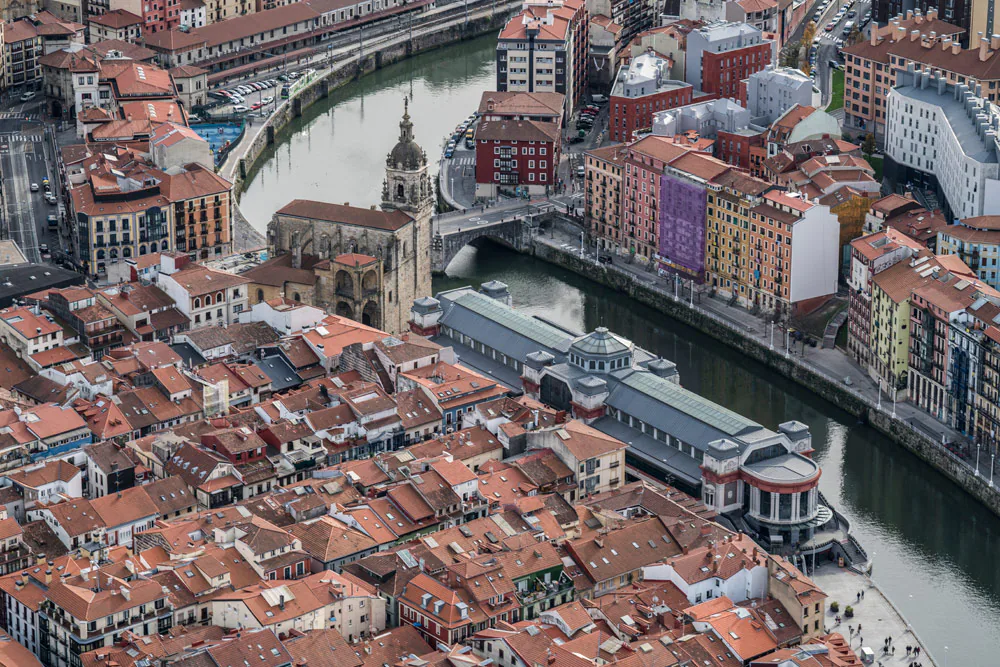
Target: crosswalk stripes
{"points": [[21, 138], [463, 161], [13, 114]]}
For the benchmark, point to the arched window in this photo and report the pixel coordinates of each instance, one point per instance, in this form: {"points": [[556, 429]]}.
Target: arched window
{"points": [[126, 252], [219, 298], [260, 295], [208, 299], [400, 191], [297, 297], [165, 245], [197, 302], [100, 254]]}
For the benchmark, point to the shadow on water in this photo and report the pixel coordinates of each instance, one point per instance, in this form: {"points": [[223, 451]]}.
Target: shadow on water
{"points": [[932, 545]]}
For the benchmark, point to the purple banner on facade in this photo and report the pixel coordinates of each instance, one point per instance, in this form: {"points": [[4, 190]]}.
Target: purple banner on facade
{"points": [[683, 215]]}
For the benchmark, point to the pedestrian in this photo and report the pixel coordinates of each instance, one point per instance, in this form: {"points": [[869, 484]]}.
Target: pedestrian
{"points": [[893, 648], [908, 649], [918, 651], [862, 594], [858, 596], [859, 628], [851, 630]]}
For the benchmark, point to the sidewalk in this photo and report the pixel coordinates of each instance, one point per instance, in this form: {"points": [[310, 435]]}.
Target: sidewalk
{"points": [[830, 363], [875, 614]]}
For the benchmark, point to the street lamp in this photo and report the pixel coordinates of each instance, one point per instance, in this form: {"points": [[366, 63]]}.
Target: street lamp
{"points": [[879, 406], [977, 458], [992, 456], [772, 335]]}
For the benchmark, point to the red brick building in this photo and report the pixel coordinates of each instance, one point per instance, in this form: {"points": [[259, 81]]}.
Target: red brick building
{"points": [[642, 89], [720, 55], [516, 155]]}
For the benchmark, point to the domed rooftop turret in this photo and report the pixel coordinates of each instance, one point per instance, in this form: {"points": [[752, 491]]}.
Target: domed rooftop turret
{"points": [[602, 342], [406, 154]]}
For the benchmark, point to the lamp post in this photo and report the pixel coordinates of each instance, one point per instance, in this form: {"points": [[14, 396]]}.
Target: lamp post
{"points": [[978, 446], [772, 335], [879, 406], [893, 404], [992, 456], [692, 293]]}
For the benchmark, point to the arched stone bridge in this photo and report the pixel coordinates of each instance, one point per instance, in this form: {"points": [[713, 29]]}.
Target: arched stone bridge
{"points": [[510, 227]]}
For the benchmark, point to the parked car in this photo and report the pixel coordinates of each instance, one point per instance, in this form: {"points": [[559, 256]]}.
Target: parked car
{"points": [[449, 151], [34, 187], [829, 26], [268, 99], [241, 108], [256, 106], [53, 221], [51, 198]]}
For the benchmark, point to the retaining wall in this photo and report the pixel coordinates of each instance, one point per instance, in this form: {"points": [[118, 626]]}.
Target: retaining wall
{"points": [[834, 392], [374, 60]]}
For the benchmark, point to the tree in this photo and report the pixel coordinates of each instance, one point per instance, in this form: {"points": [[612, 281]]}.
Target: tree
{"points": [[868, 145], [808, 34], [790, 55]]}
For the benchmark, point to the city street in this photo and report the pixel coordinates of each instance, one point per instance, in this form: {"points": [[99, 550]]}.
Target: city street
{"points": [[26, 159], [830, 42]]}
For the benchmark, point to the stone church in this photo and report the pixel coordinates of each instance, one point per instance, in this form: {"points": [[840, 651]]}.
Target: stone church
{"points": [[363, 263]]}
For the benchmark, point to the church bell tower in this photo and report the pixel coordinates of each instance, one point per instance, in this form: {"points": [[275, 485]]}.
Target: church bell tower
{"points": [[407, 188]]}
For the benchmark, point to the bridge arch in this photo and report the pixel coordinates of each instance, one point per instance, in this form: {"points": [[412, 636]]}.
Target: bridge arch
{"points": [[455, 235]]}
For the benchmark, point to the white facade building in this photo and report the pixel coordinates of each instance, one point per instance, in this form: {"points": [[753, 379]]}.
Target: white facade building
{"points": [[773, 91], [945, 134]]}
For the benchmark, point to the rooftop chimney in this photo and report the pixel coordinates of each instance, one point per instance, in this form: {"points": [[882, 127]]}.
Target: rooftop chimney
{"points": [[914, 35], [984, 49]]}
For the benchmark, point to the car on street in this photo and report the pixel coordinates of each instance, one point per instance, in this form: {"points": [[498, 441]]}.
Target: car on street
{"points": [[268, 99], [255, 107], [829, 26], [241, 108], [34, 187], [604, 259], [53, 221], [581, 171], [449, 152], [28, 96], [575, 140], [851, 14], [50, 198]]}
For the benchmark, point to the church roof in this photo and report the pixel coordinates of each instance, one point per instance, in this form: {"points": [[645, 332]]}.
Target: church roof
{"points": [[348, 215]]}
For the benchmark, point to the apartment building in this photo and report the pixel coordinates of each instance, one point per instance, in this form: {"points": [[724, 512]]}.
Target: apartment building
{"points": [[91, 609], [202, 211], [28, 331], [977, 242], [516, 156], [772, 91], [870, 67], [948, 317], [119, 24], [642, 88], [544, 49], [768, 249], [976, 17], [942, 137], [207, 297], [870, 255], [603, 196], [720, 55]]}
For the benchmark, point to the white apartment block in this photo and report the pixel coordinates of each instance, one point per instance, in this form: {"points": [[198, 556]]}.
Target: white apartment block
{"points": [[943, 135], [773, 91]]}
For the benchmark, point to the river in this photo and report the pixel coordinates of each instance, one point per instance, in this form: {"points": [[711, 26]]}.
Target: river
{"points": [[934, 548]]}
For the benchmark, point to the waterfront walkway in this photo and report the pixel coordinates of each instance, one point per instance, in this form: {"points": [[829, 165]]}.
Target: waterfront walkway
{"points": [[831, 363], [876, 615]]}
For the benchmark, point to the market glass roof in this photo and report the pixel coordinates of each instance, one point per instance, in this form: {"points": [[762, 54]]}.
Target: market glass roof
{"points": [[504, 315], [690, 403]]}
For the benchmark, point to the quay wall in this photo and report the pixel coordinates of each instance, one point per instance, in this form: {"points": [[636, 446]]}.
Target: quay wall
{"points": [[828, 388], [241, 165]]}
